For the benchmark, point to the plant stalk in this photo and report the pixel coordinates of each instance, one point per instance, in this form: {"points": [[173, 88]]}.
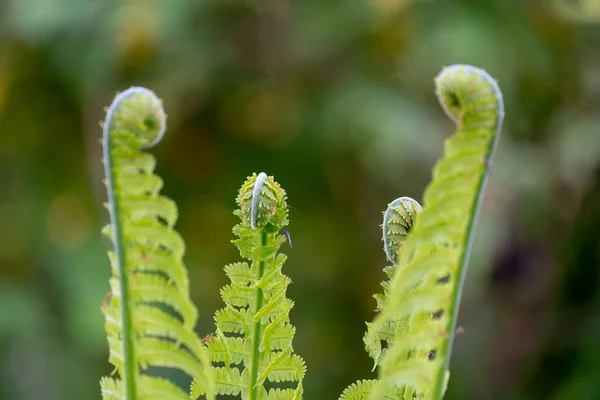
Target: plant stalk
{"points": [[256, 335], [129, 372]]}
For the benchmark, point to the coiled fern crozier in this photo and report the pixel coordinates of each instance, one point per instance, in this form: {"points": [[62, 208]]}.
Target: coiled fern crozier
{"points": [[254, 329], [149, 317], [398, 221], [419, 313]]}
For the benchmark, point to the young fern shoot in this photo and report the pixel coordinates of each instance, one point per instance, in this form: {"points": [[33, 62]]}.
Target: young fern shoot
{"points": [[149, 317], [252, 347], [426, 287], [433, 262], [398, 220]]}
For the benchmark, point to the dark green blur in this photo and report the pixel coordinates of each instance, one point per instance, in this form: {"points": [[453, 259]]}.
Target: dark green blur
{"points": [[335, 99]]}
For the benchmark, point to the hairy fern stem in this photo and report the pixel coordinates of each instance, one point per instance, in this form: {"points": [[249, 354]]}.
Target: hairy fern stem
{"points": [[256, 336]]}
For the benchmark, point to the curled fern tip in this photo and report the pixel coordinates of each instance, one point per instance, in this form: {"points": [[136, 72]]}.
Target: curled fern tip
{"points": [[465, 91], [259, 199], [398, 220], [137, 109]]}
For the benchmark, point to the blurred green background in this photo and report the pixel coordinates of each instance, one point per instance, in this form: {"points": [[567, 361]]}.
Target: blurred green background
{"points": [[336, 100]]}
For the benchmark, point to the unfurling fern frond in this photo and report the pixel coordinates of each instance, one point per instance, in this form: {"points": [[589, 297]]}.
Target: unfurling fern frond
{"points": [[433, 262], [252, 347], [419, 307], [150, 318], [398, 220]]}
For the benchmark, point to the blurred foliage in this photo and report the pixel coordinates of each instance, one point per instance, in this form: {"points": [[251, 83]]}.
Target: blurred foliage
{"points": [[335, 99]]}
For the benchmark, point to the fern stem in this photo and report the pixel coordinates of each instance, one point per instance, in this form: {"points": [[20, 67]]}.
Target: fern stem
{"points": [[256, 335], [119, 250], [445, 349]]}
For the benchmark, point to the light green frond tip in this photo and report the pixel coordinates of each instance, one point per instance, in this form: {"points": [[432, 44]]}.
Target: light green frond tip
{"points": [[252, 347], [262, 202], [149, 318]]}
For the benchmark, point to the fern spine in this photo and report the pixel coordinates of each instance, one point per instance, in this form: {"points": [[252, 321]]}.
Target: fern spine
{"points": [[256, 335], [256, 331]]}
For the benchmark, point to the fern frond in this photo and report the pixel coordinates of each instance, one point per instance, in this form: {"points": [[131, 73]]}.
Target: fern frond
{"points": [[150, 318], [426, 287], [254, 335], [398, 220]]}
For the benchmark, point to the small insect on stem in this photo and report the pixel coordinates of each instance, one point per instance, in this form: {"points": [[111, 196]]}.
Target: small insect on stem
{"points": [[208, 338], [288, 237], [105, 301]]}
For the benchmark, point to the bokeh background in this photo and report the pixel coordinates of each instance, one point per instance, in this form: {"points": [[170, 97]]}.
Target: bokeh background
{"points": [[336, 100]]}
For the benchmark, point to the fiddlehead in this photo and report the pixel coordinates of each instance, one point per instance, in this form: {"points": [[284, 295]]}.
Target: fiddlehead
{"points": [[398, 221], [253, 339], [432, 265], [150, 318]]}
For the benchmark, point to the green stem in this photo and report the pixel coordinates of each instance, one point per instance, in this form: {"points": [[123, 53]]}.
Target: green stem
{"points": [[129, 372], [256, 335]]}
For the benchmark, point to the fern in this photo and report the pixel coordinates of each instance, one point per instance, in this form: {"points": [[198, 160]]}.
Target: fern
{"points": [[419, 307], [398, 220], [150, 318], [253, 339]]}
